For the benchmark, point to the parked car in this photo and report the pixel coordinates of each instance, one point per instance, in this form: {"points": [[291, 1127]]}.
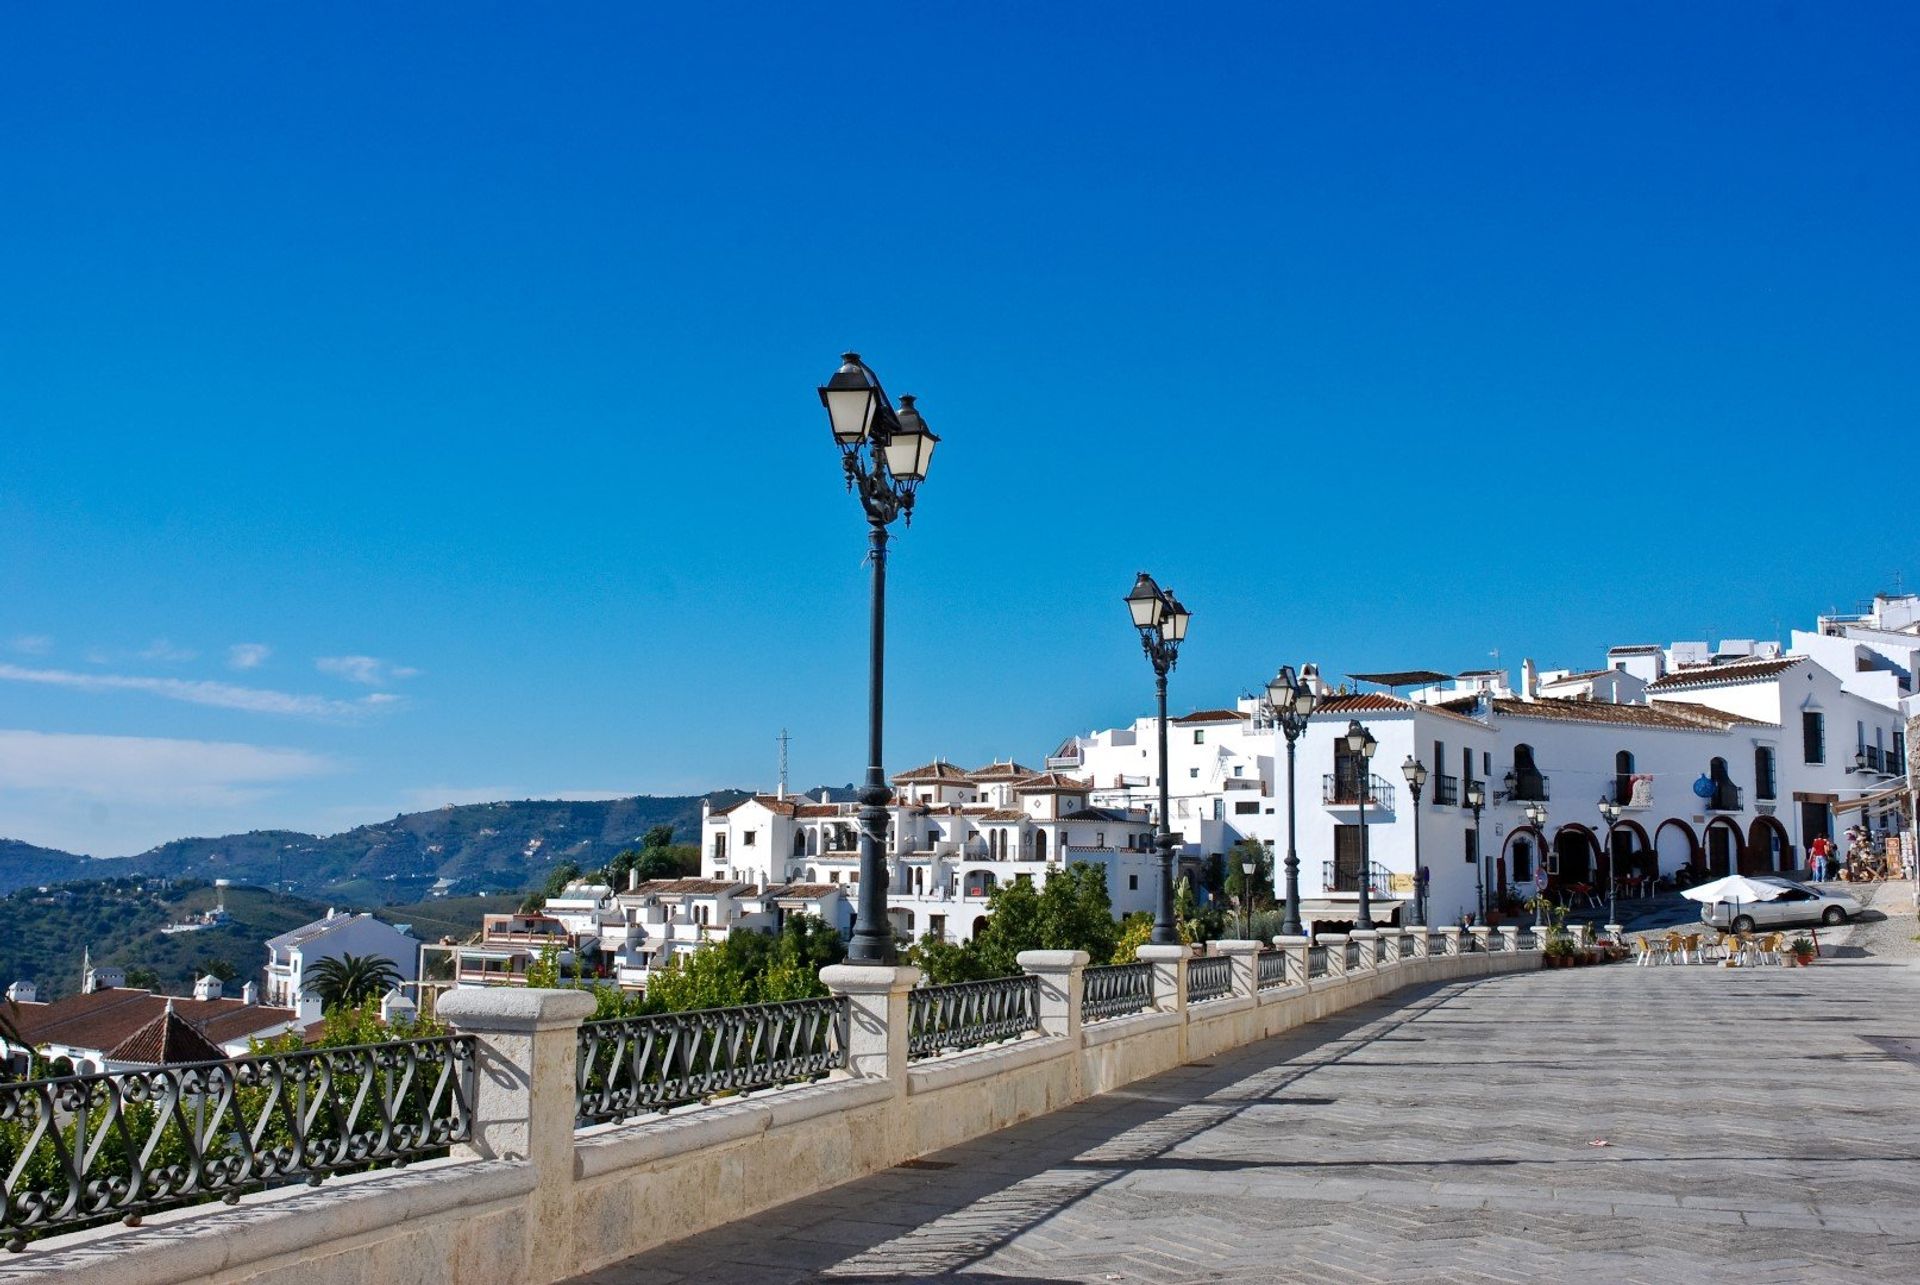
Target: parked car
{"points": [[1799, 904]]}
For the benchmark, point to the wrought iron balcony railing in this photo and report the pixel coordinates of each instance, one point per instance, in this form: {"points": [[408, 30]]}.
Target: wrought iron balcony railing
{"points": [[85, 1148], [1342, 877], [1725, 797], [1271, 969], [1209, 978], [1115, 991], [1446, 791], [632, 1065], [1533, 788], [1340, 789], [965, 1015]]}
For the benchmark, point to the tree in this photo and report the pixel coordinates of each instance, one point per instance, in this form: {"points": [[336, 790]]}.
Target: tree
{"points": [[1073, 912], [562, 875], [659, 836], [1136, 930], [219, 968], [351, 979], [1260, 887], [144, 979]]}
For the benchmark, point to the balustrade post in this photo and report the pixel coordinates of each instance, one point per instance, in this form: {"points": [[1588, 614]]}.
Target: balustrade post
{"points": [[1369, 939], [1510, 938], [527, 1050], [1246, 964], [1452, 938], [877, 1032], [1296, 948], [1169, 975], [1062, 975], [1336, 944]]}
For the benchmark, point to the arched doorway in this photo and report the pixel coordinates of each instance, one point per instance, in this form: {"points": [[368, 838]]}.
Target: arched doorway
{"points": [[1631, 851], [1769, 850], [979, 925], [1725, 851], [1520, 855], [1040, 845], [1577, 852], [1676, 845], [1623, 777]]}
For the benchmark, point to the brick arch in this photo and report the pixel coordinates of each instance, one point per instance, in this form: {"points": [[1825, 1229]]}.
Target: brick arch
{"points": [[1736, 846], [1685, 831], [1763, 828], [1539, 841], [1592, 874]]}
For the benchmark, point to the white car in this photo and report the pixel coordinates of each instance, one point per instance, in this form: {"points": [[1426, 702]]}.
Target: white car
{"points": [[1799, 904]]}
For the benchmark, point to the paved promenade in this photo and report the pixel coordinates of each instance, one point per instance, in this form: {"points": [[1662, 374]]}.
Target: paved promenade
{"points": [[1761, 1125]]}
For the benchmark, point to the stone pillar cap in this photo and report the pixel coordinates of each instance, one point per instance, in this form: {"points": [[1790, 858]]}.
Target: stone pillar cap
{"points": [[868, 979], [1291, 941], [1051, 961], [513, 1008], [1151, 952], [1236, 946]]}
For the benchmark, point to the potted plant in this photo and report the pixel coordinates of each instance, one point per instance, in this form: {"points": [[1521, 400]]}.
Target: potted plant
{"points": [[1802, 951]]}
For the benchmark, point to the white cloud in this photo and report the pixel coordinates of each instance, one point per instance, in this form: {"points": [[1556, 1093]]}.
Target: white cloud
{"points": [[31, 644], [162, 650], [370, 671], [115, 794], [252, 700], [248, 655]]}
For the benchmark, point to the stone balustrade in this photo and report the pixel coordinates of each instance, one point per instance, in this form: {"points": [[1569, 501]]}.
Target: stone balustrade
{"points": [[533, 1198]]}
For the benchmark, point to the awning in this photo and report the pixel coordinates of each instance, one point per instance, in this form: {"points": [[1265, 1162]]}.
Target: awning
{"points": [[1892, 794]]}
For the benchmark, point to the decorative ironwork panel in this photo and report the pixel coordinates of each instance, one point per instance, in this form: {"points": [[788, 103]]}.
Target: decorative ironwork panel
{"points": [[1115, 991], [1316, 961], [1386, 947], [1406, 946], [1209, 978], [1528, 940], [85, 1148], [966, 1015], [631, 1065], [1353, 956], [1270, 969]]}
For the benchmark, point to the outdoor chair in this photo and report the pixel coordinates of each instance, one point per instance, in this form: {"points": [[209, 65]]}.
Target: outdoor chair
{"points": [[1647, 951], [1693, 952]]}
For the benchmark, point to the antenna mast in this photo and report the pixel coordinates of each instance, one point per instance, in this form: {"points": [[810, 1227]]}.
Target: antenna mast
{"points": [[783, 738]]}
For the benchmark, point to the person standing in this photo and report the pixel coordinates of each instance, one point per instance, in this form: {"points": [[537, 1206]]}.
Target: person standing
{"points": [[1821, 850]]}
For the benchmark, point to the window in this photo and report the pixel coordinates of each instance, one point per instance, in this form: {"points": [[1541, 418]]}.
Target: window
{"points": [[1763, 786], [1623, 777], [1180, 808], [1486, 763], [1193, 774], [1897, 756], [1239, 769], [748, 839], [720, 847], [1522, 861], [1199, 736], [1246, 808], [1099, 838], [1813, 736], [1133, 883], [1472, 837], [1346, 858]]}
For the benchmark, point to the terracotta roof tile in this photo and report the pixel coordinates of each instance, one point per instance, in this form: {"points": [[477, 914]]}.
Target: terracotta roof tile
{"points": [[168, 1040], [803, 891], [1008, 771], [1213, 716], [1733, 671], [682, 887], [938, 770], [1051, 783], [1665, 715], [106, 1018], [1004, 814]]}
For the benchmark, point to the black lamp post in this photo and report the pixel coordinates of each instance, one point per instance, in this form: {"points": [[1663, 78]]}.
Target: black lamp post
{"points": [[1611, 811], [1416, 773], [1360, 748], [1293, 702], [1477, 799], [1537, 817], [1247, 870], [1162, 623], [885, 454]]}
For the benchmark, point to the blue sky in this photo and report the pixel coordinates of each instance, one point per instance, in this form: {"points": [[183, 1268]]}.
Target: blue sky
{"points": [[456, 364]]}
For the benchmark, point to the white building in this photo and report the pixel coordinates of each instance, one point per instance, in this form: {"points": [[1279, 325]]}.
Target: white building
{"points": [[292, 954]]}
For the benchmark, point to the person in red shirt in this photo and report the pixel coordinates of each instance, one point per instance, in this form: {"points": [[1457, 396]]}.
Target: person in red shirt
{"points": [[1821, 850]]}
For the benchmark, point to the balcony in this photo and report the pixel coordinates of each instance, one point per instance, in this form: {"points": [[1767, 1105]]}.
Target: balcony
{"points": [[1339, 789], [1532, 788], [1344, 877], [1446, 791], [1725, 798]]}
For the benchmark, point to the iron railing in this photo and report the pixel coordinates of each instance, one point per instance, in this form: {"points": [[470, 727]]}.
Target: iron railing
{"points": [[1446, 791], [1345, 877], [1406, 946], [1209, 978], [1115, 991], [81, 1149], [965, 1015], [1353, 956], [1271, 969], [1726, 797], [628, 1066], [1316, 961], [1529, 940], [1534, 787], [1342, 789], [1386, 948]]}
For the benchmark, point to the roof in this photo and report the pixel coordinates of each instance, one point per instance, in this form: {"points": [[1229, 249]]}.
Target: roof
{"points": [[1213, 716], [167, 1040], [1003, 814], [1634, 649], [771, 802], [683, 887], [1668, 716], [1581, 677], [1402, 677], [1746, 670], [1380, 703], [1104, 814], [938, 770], [802, 891], [307, 932], [1051, 783], [819, 810], [1008, 770], [105, 1018]]}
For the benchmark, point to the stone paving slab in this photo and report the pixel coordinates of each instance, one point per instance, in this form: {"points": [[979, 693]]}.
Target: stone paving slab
{"points": [[1757, 1132]]}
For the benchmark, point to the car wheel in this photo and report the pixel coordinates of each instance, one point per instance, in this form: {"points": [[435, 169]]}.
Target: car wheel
{"points": [[1833, 915], [1743, 923]]}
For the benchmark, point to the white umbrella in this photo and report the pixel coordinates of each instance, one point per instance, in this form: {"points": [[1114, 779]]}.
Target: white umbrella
{"points": [[1734, 888]]}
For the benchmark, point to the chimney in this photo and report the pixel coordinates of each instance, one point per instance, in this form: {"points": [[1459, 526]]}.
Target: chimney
{"points": [[249, 994], [633, 878], [395, 1007], [208, 987], [307, 1009], [1529, 680], [21, 993]]}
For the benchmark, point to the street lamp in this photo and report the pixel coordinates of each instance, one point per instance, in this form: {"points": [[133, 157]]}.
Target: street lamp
{"points": [[1292, 700], [1537, 817], [1611, 812], [1162, 623], [1247, 870], [1477, 799], [1416, 773], [884, 454], [1360, 747]]}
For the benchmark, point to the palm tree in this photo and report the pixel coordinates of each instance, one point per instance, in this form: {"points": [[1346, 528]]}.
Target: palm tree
{"points": [[351, 979]]}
